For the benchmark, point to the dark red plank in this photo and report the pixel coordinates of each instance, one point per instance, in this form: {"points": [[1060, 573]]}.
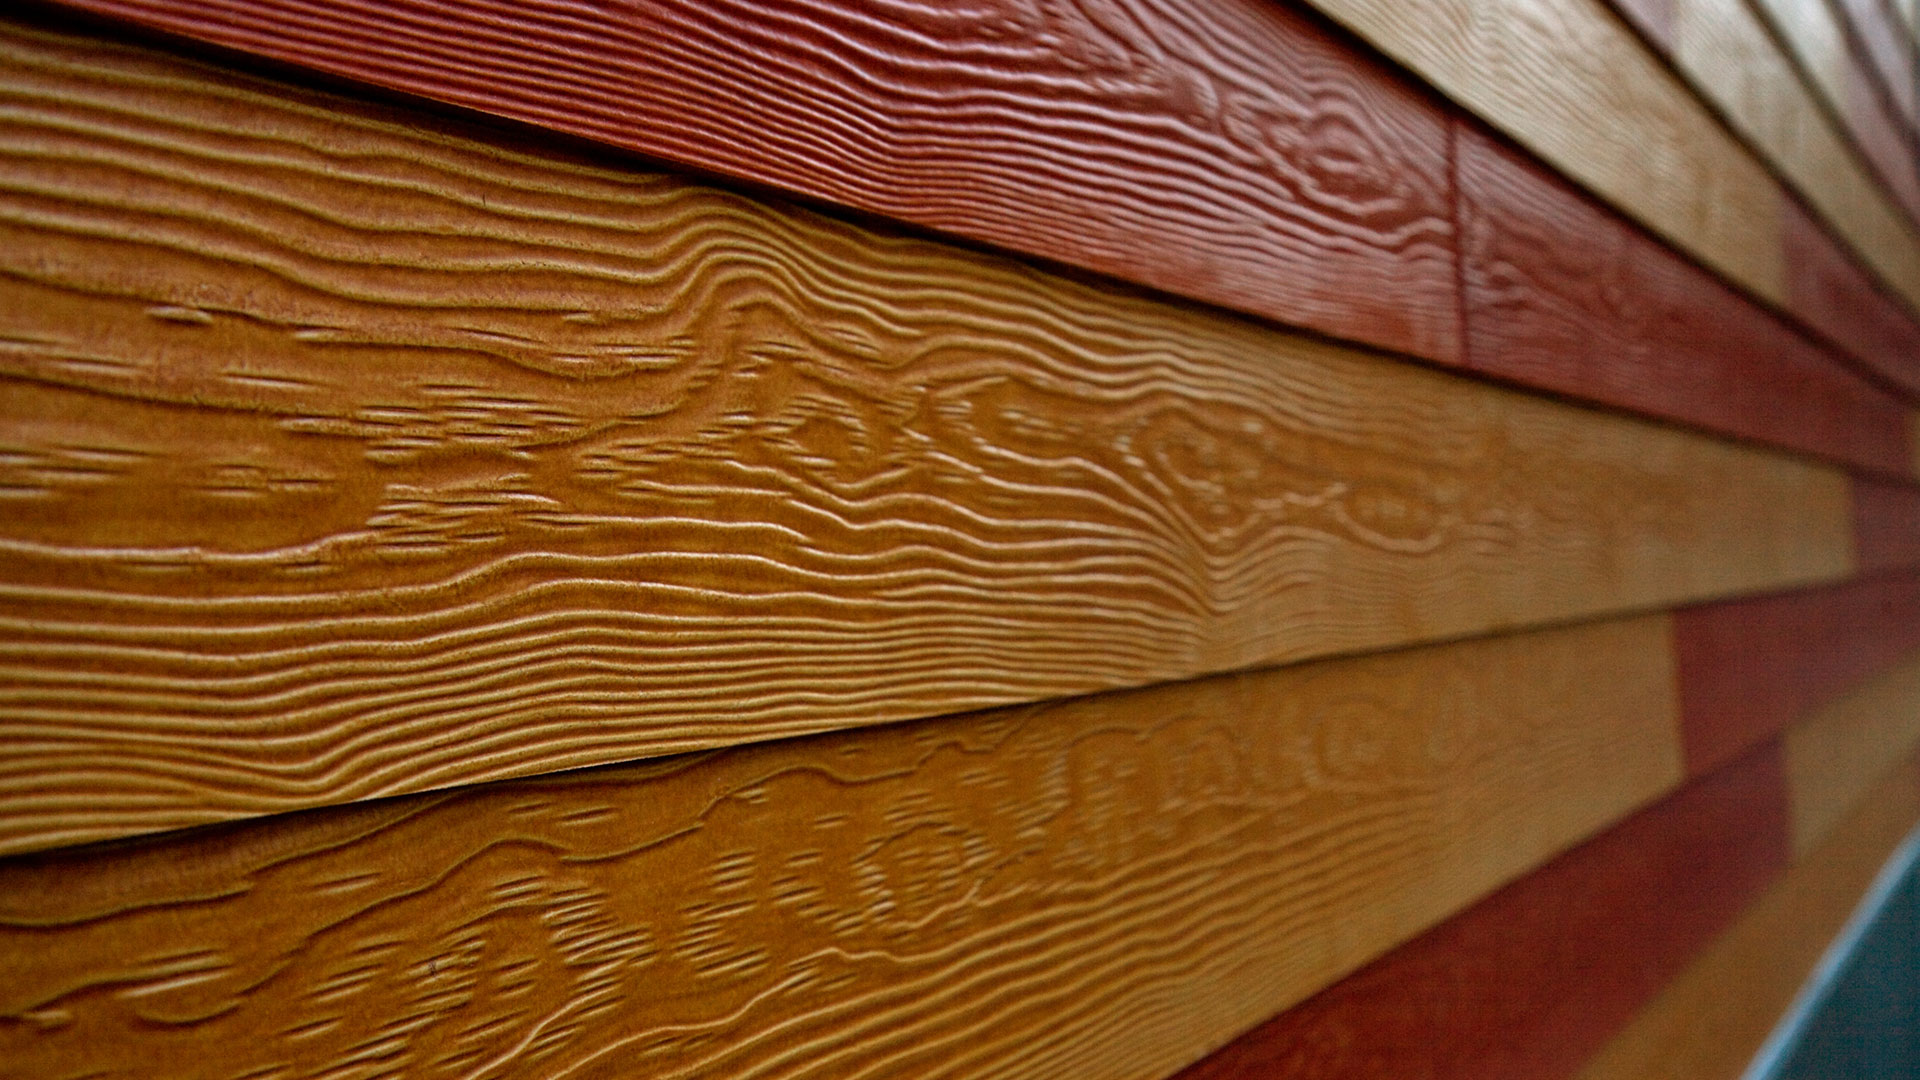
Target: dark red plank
{"points": [[1232, 151], [1748, 668], [1531, 981], [1886, 525], [1563, 294], [1834, 296]]}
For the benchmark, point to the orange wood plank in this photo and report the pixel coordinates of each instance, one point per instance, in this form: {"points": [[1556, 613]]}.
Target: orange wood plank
{"points": [[348, 458], [1100, 888]]}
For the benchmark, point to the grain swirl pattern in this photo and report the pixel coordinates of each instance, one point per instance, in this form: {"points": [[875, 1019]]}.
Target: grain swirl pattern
{"points": [[1226, 150], [343, 459], [1571, 82], [1106, 887]]}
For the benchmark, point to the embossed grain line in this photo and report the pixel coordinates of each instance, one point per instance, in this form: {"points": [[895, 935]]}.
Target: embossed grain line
{"points": [[1103, 887], [1229, 152], [352, 459]]}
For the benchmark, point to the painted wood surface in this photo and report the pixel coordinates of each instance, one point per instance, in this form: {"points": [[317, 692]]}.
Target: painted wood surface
{"points": [[1889, 51], [1528, 983], [1751, 668], [1729, 57], [1831, 293], [1811, 33], [1569, 81], [1835, 756], [1886, 525], [1100, 888], [347, 459], [1572, 82], [1709, 1022], [1228, 150], [1562, 294]]}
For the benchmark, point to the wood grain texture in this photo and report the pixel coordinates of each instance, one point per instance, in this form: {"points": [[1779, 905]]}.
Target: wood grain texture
{"points": [[1709, 1023], [1570, 82], [1562, 294], [1100, 888], [1835, 296], [345, 459], [1811, 33], [1528, 983], [1751, 668], [1835, 756], [1886, 525], [1728, 56], [1227, 150]]}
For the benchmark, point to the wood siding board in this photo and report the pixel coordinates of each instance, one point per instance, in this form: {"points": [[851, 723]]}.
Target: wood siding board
{"points": [[1562, 294], [1570, 82], [1889, 52], [1886, 525], [1724, 50], [347, 459], [1834, 296], [1835, 756], [1709, 1022], [1530, 982], [1750, 668], [1811, 34], [1104, 887], [1236, 153]]}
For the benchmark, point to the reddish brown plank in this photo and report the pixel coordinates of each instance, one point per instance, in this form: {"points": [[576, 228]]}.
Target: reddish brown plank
{"points": [[1834, 296], [1886, 525], [1563, 294], [1709, 1021], [1532, 980], [1235, 152], [1748, 668]]}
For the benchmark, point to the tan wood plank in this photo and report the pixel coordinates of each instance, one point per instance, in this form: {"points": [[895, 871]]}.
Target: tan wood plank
{"points": [[1570, 81], [1810, 30], [1725, 51], [1107, 887], [344, 459], [1708, 1023], [1836, 755]]}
